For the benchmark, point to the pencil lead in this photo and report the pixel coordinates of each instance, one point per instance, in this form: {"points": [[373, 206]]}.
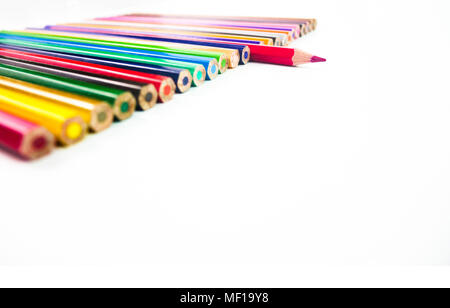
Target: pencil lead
{"points": [[315, 59]]}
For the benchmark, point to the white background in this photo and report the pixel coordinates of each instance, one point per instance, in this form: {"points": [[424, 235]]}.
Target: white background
{"points": [[268, 176]]}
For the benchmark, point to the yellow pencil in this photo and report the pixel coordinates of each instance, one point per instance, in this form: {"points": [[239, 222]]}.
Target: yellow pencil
{"points": [[96, 114], [65, 124]]}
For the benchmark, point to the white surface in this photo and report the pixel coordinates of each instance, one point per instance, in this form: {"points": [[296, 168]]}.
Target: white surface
{"points": [[267, 167]]}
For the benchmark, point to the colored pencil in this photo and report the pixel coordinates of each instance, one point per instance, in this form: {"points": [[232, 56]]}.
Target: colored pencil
{"points": [[24, 138], [293, 30], [164, 85], [299, 21], [198, 71], [208, 20], [145, 94], [96, 114], [226, 57], [279, 39], [282, 56], [311, 23], [244, 50], [67, 127], [159, 76], [220, 54], [305, 25], [122, 102], [59, 81], [297, 26], [68, 29], [143, 28], [211, 66]]}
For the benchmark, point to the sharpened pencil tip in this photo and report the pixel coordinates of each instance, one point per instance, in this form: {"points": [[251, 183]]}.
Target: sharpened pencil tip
{"points": [[315, 59]]}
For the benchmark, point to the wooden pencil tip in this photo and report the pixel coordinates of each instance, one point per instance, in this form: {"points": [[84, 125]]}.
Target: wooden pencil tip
{"points": [[315, 59], [301, 57]]}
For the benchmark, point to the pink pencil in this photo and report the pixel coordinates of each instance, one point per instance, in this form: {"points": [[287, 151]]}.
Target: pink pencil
{"points": [[210, 23], [24, 138], [308, 24]]}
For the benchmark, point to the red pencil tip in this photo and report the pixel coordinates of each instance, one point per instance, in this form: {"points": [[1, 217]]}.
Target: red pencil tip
{"points": [[315, 59]]}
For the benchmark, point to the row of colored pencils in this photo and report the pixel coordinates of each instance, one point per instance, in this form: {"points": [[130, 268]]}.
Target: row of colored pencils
{"points": [[59, 82]]}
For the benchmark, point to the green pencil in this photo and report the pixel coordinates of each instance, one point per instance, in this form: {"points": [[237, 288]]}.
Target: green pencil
{"points": [[122, 102]]}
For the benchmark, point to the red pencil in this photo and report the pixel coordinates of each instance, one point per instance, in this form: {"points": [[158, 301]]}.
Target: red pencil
{"points": [[164, 85], [24, 138], [281, 55]]}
